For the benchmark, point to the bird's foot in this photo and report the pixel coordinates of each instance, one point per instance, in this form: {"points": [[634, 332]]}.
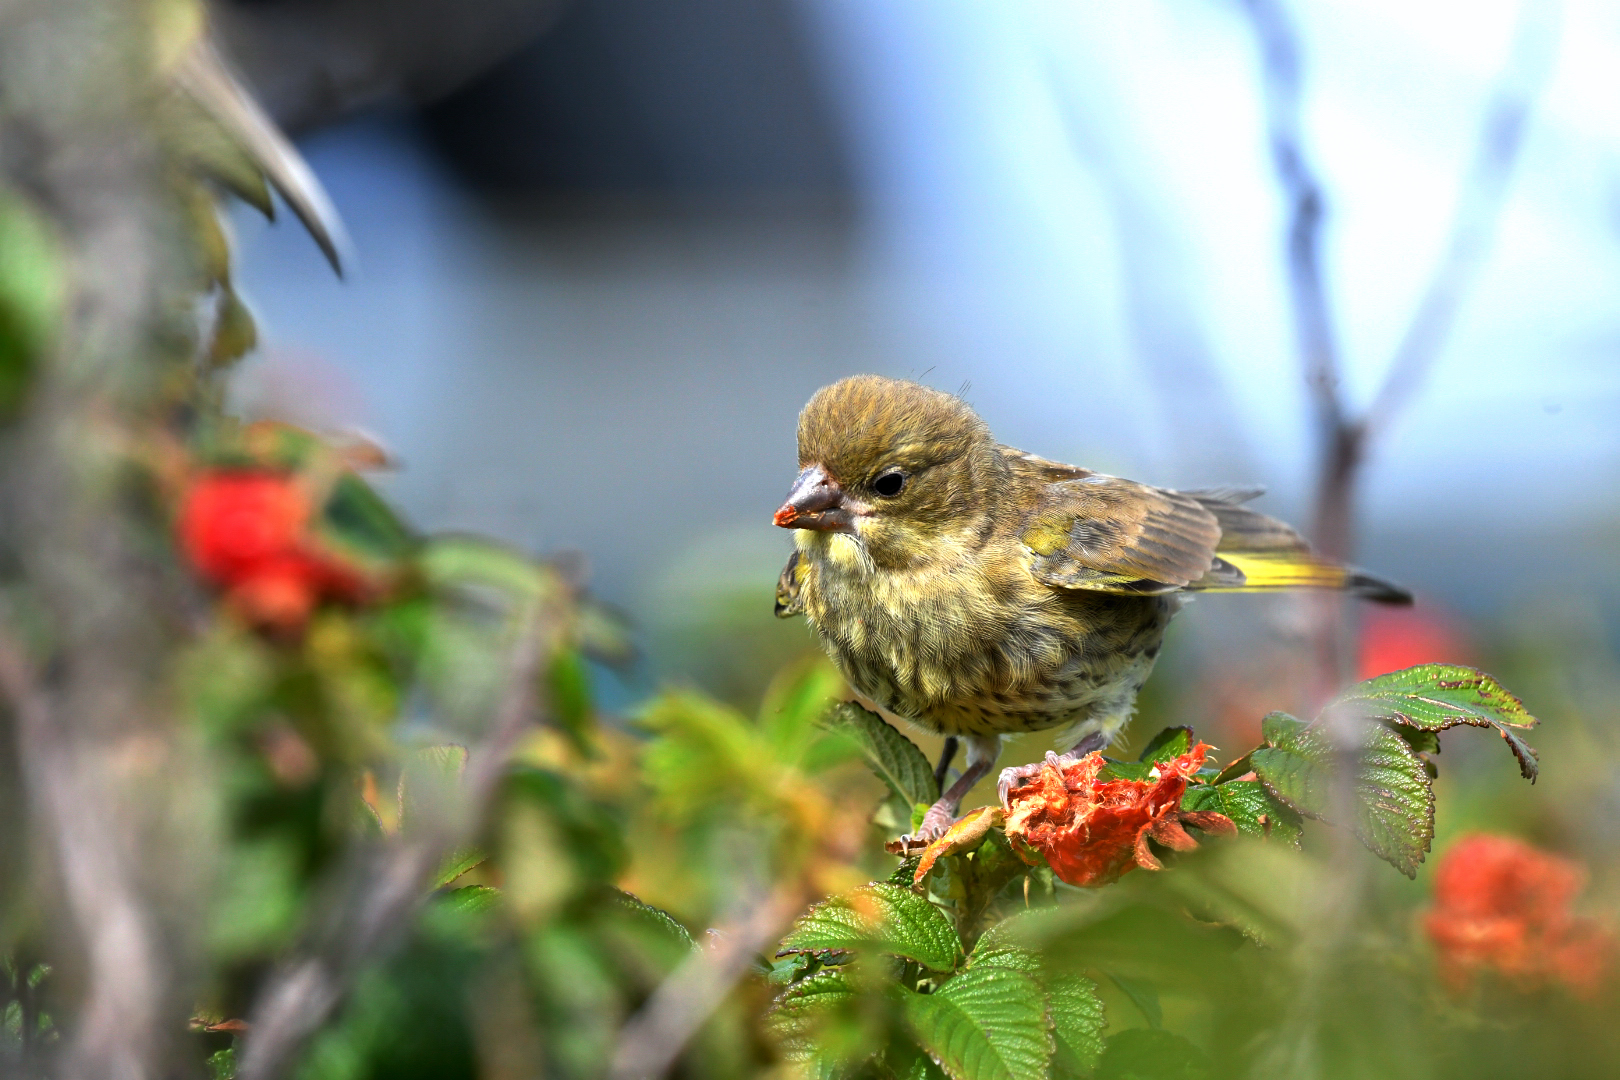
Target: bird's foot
{"points": [[936, 820], [1017, 775]]}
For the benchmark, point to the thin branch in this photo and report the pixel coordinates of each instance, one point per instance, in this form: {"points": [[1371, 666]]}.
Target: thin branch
{"points": [[1479, 207], [1343, 437], [1313, 323], [653, 1038], [385, 889]]}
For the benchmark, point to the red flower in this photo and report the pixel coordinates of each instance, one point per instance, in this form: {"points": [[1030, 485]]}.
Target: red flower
{"points": [[247, 531], [1503, 905], [1091, 831], [1393, 639]]}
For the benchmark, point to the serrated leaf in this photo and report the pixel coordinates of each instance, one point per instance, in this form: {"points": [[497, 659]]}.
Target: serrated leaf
{"points": [[1253, 809], [1393, 802], [1434, 697], [1074, 1012], [1077, 1022], [894, 758], [472, 899], [880, 917], [988, 1023], [457, 863], [1170, 743], [658, 919], [1421, 742], [797, 1014]]}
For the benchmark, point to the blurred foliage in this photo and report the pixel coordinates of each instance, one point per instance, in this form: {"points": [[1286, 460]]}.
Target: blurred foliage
{"points": [[346, 682]]}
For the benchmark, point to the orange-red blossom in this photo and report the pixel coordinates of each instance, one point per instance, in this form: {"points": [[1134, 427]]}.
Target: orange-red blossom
{"points": [[248, 531], [1501, 904], [1091, 831]]}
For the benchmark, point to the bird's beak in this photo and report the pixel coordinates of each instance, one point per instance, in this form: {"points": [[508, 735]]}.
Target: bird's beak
{"points": [[816, 502]]}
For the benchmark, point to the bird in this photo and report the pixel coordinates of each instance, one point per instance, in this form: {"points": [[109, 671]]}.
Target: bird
{"points": [[977, 591]]}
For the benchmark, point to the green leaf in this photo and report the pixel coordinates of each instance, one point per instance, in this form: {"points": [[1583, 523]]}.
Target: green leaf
{"points": [[1170, 743], [656, 918], [1393, 802], [800, 1012], [363, 523], [893, 757], [882, 917], [472, 899], [1074, 1011], [235, 333], [1150, 1054], [457, 863], [1253, 809], [1421, 742], [1434, 697], [987, 1023], [1125, 770], [568, 682], [1077, 1019], [1144, 995]]}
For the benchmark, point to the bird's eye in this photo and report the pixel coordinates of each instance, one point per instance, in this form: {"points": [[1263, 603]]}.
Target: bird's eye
{"points": [[890, 484]]}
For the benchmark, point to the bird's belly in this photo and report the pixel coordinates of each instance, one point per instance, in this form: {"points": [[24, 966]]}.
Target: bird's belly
{"points": [[1030, 667]]}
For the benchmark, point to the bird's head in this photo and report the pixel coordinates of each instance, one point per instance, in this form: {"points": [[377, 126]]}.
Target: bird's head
{"points": [[894, 465]]}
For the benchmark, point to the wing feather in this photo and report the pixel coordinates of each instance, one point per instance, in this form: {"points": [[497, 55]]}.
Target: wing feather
{"points": [[1102, 532]]}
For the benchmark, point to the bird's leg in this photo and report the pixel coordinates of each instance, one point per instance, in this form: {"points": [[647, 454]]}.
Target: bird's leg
{"points": [[982, 751], [1015, 775], [945, 757]]}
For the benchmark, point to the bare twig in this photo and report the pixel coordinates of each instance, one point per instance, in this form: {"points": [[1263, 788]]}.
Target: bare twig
{"points": [[1343, 437], [654, 1037], [385, 887], [1479, 207]]}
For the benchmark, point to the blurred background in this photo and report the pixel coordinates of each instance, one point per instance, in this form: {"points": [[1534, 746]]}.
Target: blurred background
{"points": [[607, 249]]}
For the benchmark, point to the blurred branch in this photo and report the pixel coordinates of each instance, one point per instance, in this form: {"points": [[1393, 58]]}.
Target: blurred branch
{"points": [[383, 889], [1342, 437], [1479, 205], [654, 1037]]}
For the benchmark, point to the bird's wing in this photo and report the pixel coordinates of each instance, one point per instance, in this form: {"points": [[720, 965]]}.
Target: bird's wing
{"points": [[789, 600], [1101, 532]]}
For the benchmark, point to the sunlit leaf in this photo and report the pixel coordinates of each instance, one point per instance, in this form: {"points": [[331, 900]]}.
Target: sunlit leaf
{"points": [[1170, 743], [880, 917], [988, 1023], [893, 757], [1434, 697], [799, 1013], [1253, 809], [1074, 1011], [1392, 809]]}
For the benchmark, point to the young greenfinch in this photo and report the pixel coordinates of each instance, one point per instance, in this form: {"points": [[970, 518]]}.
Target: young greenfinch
{"points": [[976, 590]]}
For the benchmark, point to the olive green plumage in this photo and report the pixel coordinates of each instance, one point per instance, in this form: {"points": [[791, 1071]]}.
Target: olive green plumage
{"points": [[976, 590]]}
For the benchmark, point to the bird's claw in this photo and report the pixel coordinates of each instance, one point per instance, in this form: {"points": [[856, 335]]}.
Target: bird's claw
{"points": [[934, 823], [1016, 775]]}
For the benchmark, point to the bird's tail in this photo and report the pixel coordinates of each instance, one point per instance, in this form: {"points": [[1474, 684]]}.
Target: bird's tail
{"points": [[1276, 570], [1261, 554]]}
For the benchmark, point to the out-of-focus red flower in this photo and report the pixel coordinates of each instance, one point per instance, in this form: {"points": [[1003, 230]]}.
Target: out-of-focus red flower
{"points": [[1503, 905], [1091, 831], [1393, 639], [248, 531]]}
